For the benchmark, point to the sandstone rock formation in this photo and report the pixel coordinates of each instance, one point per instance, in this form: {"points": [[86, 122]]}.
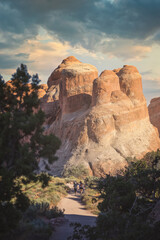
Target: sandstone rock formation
{"points": [[131, 83], [154, 112], [42, 90], [73, 81], [100, 120], [104, 86]]}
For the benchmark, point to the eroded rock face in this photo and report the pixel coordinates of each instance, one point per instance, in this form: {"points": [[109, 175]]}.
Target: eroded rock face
{"points": [[131, 83], [154, 112], [104, 86], [55, 76], [75, 80], [103, 134], [50, 103], [42, 90]]}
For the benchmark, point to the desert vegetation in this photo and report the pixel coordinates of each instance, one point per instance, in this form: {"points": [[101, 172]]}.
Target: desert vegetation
{"points": [[91, 196], [22, 144], [130, 203], [78, 171], [51, 194]]}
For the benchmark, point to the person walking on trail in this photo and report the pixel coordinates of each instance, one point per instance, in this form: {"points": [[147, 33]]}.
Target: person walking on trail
{"points": [[81, 187], [75, 184]]}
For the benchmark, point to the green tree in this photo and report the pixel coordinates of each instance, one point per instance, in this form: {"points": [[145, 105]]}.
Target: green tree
{"points": [[22, 143], [128, 199], [127, 203]]}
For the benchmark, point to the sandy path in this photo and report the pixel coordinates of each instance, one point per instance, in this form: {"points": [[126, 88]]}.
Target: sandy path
{"points": [[74, 212]]}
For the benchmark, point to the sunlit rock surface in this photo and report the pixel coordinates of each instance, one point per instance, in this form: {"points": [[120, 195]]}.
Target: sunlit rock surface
{"points": [[100, 120]]}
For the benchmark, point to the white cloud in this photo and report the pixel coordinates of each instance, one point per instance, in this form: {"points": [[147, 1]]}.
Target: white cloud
{"points": [[125, 49], [44, 53]]}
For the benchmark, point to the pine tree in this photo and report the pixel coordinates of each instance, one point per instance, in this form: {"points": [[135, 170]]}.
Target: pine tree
{"points": [[22, 143]]}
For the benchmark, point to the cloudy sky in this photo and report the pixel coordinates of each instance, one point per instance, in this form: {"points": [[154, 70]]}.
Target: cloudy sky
{"points": [[105, 33]]}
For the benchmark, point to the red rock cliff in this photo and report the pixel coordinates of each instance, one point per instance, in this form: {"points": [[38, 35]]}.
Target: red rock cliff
{"points": [[100, 120]]}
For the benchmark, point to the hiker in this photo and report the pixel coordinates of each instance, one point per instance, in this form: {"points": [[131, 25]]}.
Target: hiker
{"points": [[75, 184], [81, 187]]}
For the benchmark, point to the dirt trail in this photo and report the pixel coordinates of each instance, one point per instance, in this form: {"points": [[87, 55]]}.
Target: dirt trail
{"points": [[74, 212]]}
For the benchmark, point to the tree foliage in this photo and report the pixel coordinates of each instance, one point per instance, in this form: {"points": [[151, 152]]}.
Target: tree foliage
{"points": [[128, 203], [22, 143], [128, 200]]}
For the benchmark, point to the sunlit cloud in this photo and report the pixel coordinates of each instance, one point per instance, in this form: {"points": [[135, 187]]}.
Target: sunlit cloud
{"points": [[41, 54], [125, 49], [105, 33]]}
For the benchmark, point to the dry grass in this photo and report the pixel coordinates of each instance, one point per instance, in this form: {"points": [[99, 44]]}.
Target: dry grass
{"points": [[51, 194]]}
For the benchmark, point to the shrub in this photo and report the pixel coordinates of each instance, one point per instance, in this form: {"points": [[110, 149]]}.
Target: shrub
{"points": [[54, 212], [79, 171], [91, 199], [42, 209], [52, 194], [128, 200], [36, 229]]}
